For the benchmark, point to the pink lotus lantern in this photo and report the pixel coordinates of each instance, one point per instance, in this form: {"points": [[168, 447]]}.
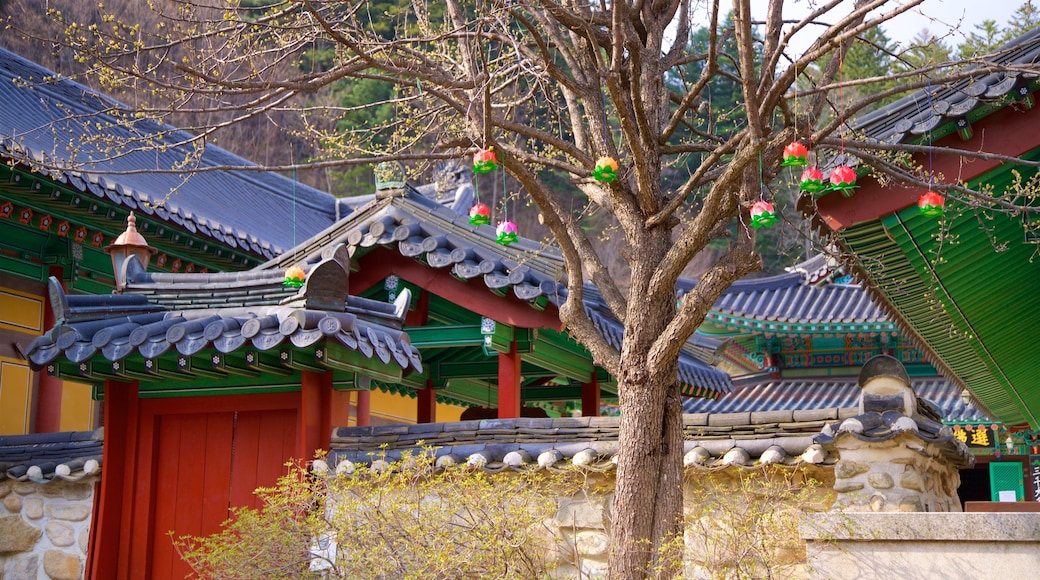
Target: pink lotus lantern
{"points": [[843, 179], [485, 161], [812, 180], [762, 214], [931, 204], [507, 233], [479, 215], [795, 155], [606, 169]]}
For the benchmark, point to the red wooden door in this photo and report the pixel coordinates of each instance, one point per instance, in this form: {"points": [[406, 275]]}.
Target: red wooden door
{"points": [[205, 464]]}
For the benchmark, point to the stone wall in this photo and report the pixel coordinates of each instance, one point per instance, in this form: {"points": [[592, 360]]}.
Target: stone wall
{"points": [[45, 529], [737, 522], [864, 545]]}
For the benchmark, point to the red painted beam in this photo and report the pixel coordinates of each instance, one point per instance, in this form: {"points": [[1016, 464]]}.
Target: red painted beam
{"points": [[474, 295], [509, 383], [1010, 131]]}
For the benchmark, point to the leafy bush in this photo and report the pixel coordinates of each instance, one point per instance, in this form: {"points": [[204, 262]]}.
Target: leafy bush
{"points": [[401, 520]]}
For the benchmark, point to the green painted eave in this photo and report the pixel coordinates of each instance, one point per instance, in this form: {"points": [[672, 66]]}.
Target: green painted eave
{"points": [[720, 325], [968, 285]]}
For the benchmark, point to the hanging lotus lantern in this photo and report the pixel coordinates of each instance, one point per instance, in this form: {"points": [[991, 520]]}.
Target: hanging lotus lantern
{"points": [[931, 203], [843, 179], [812, 180], [479, 215], [795, 155], [485, 161], [606, 169], [294, 277], [762, 214], [506, 233]]}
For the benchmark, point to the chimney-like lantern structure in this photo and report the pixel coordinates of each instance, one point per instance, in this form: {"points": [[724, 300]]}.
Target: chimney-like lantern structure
{"points": [[129, 244]]}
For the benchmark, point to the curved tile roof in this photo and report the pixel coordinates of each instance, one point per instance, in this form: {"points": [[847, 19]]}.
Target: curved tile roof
{"points": [[48, 122], [793, 302], [439, 235], [795, 396], [914, 116], [711, 442], [44, 457], [190, 313]]}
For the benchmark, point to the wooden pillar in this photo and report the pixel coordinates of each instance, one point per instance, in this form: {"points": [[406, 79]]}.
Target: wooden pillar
{"points": [[336, 412], [48, 396], [312, 420], [590, 397], [509, 383], [426, 411], [114, 505], [363, 411]]}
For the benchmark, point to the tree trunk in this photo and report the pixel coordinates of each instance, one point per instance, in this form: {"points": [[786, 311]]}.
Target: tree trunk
{"points": [[647, 507]]}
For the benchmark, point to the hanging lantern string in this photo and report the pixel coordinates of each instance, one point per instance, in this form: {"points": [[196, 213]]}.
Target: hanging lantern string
{"points": [[931, 171]]}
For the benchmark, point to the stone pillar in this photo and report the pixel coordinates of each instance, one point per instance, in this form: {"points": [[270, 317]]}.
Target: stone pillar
{"points": [[896, 455]]}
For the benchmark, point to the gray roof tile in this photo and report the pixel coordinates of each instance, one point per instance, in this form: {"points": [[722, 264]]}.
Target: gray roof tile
{"points": [[43, 113], [44, 457]]}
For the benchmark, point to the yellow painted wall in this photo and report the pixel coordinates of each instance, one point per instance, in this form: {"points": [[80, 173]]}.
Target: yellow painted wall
{"points": [[15, 397], [401, 409], [77, 407], [21, 311]]}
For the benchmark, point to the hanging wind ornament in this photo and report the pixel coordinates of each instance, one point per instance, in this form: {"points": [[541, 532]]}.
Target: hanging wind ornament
{"points": [[479, 215], [762, 214], [795, 155], [294, 277], [931, 204], [843, 179], [606, 169], [506, 233], [812, 180], [485, 161]]}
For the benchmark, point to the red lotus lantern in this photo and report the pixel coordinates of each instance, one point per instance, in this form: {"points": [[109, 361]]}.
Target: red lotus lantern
{"points": [[506, 233], [812, 180], [795, 155], [485, 161], [294, 277], [843, 179], [479, 215], [931, 204], [762, 214], [606, 169]]}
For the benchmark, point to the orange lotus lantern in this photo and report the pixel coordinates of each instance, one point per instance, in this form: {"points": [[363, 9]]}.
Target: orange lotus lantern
{"points": [[294, 277], [605, 170]]}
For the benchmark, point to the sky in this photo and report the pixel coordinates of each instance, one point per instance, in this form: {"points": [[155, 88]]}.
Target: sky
{"points": [[938, 16]]}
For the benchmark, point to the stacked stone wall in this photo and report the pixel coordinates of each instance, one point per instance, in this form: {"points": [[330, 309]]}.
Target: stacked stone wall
{"points": [[724, 509], [44, 529], [899, 475]]}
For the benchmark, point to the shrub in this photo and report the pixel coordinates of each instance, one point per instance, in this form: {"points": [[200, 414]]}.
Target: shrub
{"points": [[401, 520]]}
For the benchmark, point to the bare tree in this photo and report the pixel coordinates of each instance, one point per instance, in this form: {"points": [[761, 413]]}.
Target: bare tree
{"points": [[551, 86]]}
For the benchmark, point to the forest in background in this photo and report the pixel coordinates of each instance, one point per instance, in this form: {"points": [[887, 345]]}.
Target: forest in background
{"points": [[272, 140]]}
